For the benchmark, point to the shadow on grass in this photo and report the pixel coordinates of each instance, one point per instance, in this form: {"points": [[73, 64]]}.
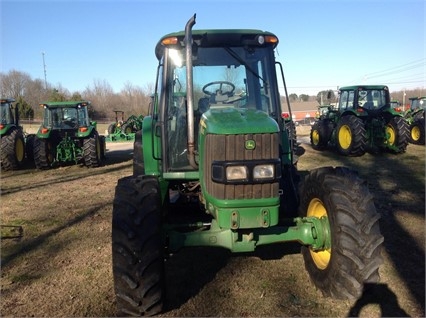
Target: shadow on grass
{"points": [[191, 269], [27, 246], [61, 178], [378, 294]]}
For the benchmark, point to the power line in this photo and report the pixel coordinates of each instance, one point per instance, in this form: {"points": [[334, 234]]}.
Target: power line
{"points": [[408, 66]]}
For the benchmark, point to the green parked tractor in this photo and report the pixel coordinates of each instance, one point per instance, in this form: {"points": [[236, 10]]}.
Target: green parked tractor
{"points": [[124, 129], [363, 121], [12, 155], [416, 119], [67, 135], [213, 166]]}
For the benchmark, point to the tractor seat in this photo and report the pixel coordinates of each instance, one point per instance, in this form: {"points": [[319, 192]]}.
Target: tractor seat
{"points": [[368, 105], [203, 104]]}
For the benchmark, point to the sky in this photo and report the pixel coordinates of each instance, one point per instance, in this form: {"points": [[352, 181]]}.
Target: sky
{"points": [[323, 44]]}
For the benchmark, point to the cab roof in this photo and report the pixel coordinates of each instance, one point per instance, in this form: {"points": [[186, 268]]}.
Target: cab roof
{"points": [[218, 38], [69, 104], [366, 87], [7, 100]]}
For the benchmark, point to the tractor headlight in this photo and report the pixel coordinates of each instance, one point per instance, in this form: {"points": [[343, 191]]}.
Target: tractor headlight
{"points": [[263, 172], [246, 172], [236, 173]]}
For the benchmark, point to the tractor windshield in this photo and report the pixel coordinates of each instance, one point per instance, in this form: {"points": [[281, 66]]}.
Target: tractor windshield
{"points": [[223, 77], [6, 116], [372, 98], [234, 77], [65, 118], [418, 103]]}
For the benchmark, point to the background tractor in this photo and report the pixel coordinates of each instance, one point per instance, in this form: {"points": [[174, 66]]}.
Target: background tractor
{"points": [[68, 136], [363, 121], [124, 129], [416, 119], [12, 155], [216, 169]]}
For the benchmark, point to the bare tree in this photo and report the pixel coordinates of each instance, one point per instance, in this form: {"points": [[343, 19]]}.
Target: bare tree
{"points": [[102, 97], [13, 84], [134, 99]]}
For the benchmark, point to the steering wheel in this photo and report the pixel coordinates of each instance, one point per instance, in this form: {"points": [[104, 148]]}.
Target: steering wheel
{"points": [[221, 84]]}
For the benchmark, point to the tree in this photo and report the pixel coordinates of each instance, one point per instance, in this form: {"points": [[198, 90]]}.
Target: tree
{"points": [[304, 97], [326, 97], [13, 84], [57, 96], [293, 97], [102, 98], [24, 109]]}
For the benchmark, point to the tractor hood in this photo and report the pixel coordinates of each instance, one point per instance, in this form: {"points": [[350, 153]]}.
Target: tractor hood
{"points": [[229, 120]]}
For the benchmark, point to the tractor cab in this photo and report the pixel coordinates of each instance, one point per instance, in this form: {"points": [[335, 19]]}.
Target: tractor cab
{"points": [[70, 117], [368, 99], [417, 103], [6, 112], [234, 91]]}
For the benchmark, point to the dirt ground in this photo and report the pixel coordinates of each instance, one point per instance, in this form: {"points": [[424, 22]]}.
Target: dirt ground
{"points": [[56, 248]]}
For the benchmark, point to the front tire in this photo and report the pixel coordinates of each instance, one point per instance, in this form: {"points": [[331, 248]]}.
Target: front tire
{"points": [[137, 247], [355, 253]]}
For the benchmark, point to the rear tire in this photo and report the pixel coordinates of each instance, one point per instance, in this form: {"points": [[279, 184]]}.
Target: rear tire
{"points": [[111, 129], [137, 247], [355, 254], [12, 154], [351, 136], [126, 129], [319, 136], [417, 132], [44, 154], [92, 151], [29, 147], [397, 134]]}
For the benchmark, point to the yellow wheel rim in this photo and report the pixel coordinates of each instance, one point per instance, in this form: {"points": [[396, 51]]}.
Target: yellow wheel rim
{"points": [[20, 150], [315, 137], [415, 133], [345, 137], [390, 135], [321, 258]]}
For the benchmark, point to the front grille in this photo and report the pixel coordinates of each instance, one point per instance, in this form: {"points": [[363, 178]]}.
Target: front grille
{"points": [[232, 148]]}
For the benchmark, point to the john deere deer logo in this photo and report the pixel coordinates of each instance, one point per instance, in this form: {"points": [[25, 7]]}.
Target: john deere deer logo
{"points": [[250, 144]]}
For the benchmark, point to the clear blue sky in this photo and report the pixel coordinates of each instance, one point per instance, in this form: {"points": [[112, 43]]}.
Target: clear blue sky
{"points": [[323, 44]]}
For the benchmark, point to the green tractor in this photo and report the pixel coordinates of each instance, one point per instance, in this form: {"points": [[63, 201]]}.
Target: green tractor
{"points": [[416, 119], [12, 155], [213, 167], [67, 135], [115, 128], [363, 121], [124, 129]]}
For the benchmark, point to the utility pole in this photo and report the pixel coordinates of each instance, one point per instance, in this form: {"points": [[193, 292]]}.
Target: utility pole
{"points": [[403, 101], [45, 74]]}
